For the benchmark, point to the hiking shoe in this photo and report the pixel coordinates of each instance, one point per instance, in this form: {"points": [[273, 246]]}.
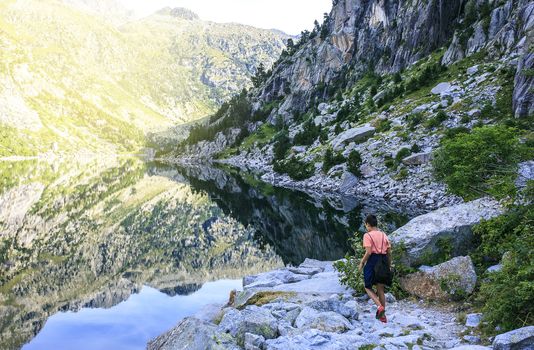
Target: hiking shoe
{"points": [[383, 319], [380, 312]]}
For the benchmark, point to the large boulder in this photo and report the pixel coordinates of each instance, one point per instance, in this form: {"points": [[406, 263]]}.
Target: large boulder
{"points": [[427, 235], [328, 321], [352, 135], [522, 338], [193, 334], [417, 158], [253, 319], [454, 279]]}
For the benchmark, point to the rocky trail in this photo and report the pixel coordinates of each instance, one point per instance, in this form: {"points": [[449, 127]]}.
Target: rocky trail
{"points": [[305, 307]]}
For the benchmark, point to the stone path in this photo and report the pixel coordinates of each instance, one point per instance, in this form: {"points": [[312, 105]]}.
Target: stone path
{"points": [[307, 308]]}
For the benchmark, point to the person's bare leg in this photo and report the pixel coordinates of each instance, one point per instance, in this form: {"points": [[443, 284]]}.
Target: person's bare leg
{"points": [[381, 295], [373, 296]]}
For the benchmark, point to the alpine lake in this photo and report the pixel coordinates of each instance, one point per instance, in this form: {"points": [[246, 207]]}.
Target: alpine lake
{"points": [[109, 253]]}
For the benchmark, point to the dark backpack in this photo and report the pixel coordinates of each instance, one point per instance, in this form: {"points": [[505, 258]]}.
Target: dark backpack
{"points": [[382, 272]]}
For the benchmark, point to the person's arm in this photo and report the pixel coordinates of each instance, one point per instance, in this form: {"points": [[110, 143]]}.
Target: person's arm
{"points": [[390, 258], [365, 257]]}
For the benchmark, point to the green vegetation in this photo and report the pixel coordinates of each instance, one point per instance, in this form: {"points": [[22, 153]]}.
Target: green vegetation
{"points": [[309, 134], [282, 145], [437, 120], [479, 163], [331, 159], [350, 275], [506, 297], [234, 115], [354, 162], [266, 297], [296, 169]]}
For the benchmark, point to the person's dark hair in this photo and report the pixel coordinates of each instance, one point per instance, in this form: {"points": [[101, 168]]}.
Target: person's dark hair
{"points": [[371, 220]]}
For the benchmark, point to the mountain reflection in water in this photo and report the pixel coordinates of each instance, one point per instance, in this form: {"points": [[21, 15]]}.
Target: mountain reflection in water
{"points": [[90, 234]]}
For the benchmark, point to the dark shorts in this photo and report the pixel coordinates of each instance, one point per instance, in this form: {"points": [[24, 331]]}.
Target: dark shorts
{"points": [[369, 270]]}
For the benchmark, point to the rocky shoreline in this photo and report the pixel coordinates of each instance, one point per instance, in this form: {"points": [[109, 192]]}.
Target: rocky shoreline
{"points": [[305, 307]]}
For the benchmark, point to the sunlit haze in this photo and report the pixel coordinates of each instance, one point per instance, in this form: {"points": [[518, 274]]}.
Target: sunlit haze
{"points": [[291, 16]]}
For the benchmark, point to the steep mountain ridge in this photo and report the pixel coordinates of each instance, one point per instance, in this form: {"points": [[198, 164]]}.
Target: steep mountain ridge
{"points": [[345, 107], [72, 80]]}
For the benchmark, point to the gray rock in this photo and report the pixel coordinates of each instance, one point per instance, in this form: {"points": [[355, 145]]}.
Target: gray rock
{"points": [[253, 320], [472, 70], [326, 282], [253, 341], [209, 313], [471, 347], [454, 279], [325, 321], [349, 181], [474, 113], [418, 158], [523, 95], [305, 270], [525, 173], [441, 88], [352, 135], [193, 334], [334, 305], [522, 338], [472, 339], [421, 236], [494, 268], [473, 320]]}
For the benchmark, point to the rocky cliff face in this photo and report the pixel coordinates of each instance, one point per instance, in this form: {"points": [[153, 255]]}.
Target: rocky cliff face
{"points": [[389, 36], [384, 81]]}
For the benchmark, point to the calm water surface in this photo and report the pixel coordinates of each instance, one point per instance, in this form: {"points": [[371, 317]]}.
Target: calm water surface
{"points": [[108, 254]]}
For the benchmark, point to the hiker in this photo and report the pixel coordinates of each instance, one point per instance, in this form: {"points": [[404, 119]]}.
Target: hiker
{"points": [[377, 252]]}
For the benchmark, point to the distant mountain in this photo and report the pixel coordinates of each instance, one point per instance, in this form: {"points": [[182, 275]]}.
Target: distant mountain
{"points": [[80, 75]]}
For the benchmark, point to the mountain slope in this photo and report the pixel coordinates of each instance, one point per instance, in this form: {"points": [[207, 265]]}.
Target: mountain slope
{"points": [[380, 81], [71, 80]]}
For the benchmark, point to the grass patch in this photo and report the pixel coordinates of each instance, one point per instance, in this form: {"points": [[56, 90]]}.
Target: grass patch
{"points": [[263, 298]]}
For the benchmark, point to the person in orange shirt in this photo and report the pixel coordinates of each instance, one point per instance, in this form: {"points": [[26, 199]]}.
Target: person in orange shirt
{"points": [[377, 246]]}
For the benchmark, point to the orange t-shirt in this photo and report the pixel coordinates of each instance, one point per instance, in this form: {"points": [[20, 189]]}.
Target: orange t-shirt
{"points": [[377, 241]]}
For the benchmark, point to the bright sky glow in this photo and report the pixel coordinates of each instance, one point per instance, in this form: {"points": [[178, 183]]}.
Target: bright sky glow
{"points": [[291, 16]]}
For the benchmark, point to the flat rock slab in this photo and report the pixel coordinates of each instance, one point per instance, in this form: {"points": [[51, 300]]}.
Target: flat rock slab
{"points": [[417, 159], [423, 235], [352, 135], [522, 338], [325, 282], [193, 334]]}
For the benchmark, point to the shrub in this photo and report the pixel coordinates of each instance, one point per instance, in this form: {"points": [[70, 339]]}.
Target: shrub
{"points": [[453, 132], [437, 120], [296, 169], [403, 173], [383, 125], [496, 236], [415, 148], [281, 146], [308, 135], [507, 296], [414, 119], [331, 159], [403, 153], [482, 162], [390, 163], [350, 276], [354, 161]]}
